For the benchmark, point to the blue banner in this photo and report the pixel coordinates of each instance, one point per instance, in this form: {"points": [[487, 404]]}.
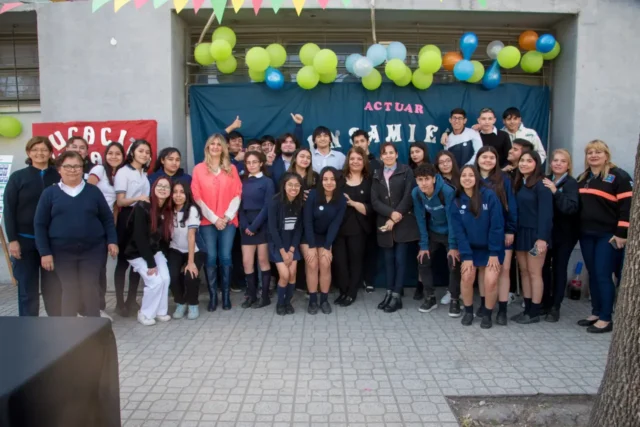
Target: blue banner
{"points": [[392, 113]]}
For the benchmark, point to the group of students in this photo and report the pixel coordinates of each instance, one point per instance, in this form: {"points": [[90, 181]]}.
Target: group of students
{"points": [[315, 216]]}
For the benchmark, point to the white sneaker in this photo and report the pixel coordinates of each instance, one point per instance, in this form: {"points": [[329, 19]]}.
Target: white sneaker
{"points": [[446, 299], [143, 320], [105, 315], [163, 318]]}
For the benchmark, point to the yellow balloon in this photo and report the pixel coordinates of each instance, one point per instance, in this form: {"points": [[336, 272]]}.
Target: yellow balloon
{"points": [[406, 79], [257, 76], [373, 80], [228, 66], [278, 55], [329, 77], [478, 72], [224, 33], [430, 48]]}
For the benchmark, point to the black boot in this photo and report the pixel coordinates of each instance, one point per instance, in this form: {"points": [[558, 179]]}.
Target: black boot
{"points": [[264, 299], [212, 284], [251, 291], [226, 291], [385, 301], [394, 305], [419, 294]]}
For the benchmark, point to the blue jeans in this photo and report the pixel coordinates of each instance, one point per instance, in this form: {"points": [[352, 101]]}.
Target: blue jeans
{"points": [[395, 260], [599, 258], [218, 244]]}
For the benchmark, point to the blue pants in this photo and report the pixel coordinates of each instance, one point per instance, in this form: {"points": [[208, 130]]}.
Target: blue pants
{"points": [[218, 244], [599, 258], [395, 260]]}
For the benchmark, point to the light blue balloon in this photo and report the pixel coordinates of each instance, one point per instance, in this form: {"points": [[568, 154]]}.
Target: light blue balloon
{"points": [[362, 67], [492, 76], [351, 60], [468, 44], [274, 78], [545, 43], [463, 70], [396, 50], [377, 54]]}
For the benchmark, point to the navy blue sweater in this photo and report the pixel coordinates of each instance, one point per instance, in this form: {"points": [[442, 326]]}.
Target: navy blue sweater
{"points": [[285, 225], [486, 232], [256, 194], [434, 215], [511, 215], [64, 221], [323, 219], [180, 176], [535, 210]]}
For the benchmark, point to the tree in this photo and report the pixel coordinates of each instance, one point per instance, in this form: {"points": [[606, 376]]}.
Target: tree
{"points": [[618, 400]]}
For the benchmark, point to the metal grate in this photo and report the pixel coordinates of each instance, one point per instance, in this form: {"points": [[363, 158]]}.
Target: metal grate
{"points": [[19, 70]]}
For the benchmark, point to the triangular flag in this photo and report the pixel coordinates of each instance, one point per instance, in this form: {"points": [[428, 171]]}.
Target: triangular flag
{"points": [[9, 6], [158, 3], [179, 5], [323, 3], [237, 4], [139, 3], [218, 8], [257, 4], [197, 4], [299, 4], [483, 3], [276, 5], [97, 4], [117, 4], [348, 2]]}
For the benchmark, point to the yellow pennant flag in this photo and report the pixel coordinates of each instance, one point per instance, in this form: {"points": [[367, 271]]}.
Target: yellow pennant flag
{"points": [[117, 4], [179, 5], [237, 4], [299, 4]]}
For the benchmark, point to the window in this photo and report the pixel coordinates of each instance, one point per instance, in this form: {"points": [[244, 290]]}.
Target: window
{"points": [[19, 74]]}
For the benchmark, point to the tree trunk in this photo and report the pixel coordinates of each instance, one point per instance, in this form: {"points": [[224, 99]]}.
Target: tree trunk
{"points": [[618, 400]]}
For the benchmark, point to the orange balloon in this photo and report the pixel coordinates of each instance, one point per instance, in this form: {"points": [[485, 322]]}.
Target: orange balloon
{"points": [[450, 60], [528, 39]]}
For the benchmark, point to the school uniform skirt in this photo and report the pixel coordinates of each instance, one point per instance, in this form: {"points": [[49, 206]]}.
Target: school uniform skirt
{"points": [[526, 239], [275, 257], [260, 236], [480, 257]]}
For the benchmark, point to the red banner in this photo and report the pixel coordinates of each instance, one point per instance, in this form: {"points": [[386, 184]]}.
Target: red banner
{"points": [[99, 135]]}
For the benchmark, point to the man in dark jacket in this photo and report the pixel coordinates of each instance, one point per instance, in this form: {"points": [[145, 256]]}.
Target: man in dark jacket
{"points": [[360, 138]]}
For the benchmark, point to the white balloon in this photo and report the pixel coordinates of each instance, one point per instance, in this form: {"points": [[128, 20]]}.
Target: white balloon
{"points": [[494, 48], [362, 67]]}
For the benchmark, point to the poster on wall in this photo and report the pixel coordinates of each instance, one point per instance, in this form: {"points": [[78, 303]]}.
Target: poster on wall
{"points": [[99, 135], [5, 171]]}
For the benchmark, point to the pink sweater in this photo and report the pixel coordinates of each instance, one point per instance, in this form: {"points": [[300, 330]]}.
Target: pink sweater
{"points": [[216, 191]]}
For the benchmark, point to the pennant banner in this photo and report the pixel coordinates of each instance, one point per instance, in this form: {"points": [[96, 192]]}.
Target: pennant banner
{"points": [[179, 5], [348, 2], [158, 3], [117, 4], [323, 3], [218, 8], [97, 4], [197, 4], [139, 3], [237, 4], [276, 4], [257, 4], [9, 6], [299, 4]]}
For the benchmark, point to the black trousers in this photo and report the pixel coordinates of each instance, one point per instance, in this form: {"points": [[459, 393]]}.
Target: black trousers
{"points": [[184, 287], [122, 265], [554, 272], [348, 259], [237, 273], [437, 241]]}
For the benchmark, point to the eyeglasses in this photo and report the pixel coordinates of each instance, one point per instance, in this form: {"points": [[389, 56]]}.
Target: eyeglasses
{"points": [[70, 168], [294, 186], [163, 187], [457, 118], [253, 163], [445, 162]]}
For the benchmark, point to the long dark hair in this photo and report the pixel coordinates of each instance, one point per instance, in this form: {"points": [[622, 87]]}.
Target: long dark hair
{"points": [[188, 202], [297, 203], [163, 154], [421, 145], [496, 177], [365, 162], [322, 197], [310, 177], [132, 149], [261, 158], [165, 211], [535, 176], [110, 170], [282, 139], [475, 201], [455, 171]]}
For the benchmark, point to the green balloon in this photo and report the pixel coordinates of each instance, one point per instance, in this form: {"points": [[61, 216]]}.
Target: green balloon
{"points": [[395, 69], [258, 59], [278, 55], [10, 127], [228, 66], [430, 62], [405, 79], [257, 76], [478, 72], [203, 54], [329, 77], [225, 33], [509, 57], [308, 52], [325, 61], [220, 50], [307, 77], [531, 61], [421, 80], [553, 54], [430, 48], [373, 80]]}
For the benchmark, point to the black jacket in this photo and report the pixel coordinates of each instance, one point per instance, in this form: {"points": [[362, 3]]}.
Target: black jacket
{"points": [[21, 198], [374, 164], [566, 208], [396, 197], [143, 243]]}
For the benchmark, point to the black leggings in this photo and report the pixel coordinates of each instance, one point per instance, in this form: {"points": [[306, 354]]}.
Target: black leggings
{"points": [[183, 286], [122, 265], [348, 259], [554, 272]]}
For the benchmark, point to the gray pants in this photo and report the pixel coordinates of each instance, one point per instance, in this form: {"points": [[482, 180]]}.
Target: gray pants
{"points": [[424, 268]]}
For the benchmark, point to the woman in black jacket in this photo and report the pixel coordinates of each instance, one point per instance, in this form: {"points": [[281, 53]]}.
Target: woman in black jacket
{"points": [[397, 227], [565, 233]]}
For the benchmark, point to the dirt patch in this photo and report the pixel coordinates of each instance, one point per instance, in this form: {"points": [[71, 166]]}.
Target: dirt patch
{"points": [[523, 411]]}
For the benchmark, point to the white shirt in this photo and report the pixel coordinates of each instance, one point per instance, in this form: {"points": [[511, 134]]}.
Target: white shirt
{"points": [[72, 191], [530, 135], [180, 236], [108, 190], [131, 182], [319, 161]]}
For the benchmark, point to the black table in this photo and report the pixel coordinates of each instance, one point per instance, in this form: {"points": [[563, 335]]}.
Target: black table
{"points": [[57, 371]]}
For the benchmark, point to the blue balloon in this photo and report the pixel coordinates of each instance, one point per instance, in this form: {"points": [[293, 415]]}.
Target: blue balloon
{"points": [[351, 59], [377, 54], [274, 78], [463, 70], [545, 43], [396, 50], [468, 44], [492, 76]]}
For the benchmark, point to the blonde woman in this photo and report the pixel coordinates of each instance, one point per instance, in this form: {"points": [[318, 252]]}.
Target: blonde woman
{"points": [[605, 200], [216, 189]]}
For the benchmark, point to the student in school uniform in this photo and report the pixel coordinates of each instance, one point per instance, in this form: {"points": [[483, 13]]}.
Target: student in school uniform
{"points": [[487, 163], [132, 186], [285, 148], [360, 138], [516, 130], [168, 164], [322, 155], [285, 230], [81, 146], [518, 146], [462, 142], [21, 196], [184, 257], [478, 223], [533, 236], [322, 216]]}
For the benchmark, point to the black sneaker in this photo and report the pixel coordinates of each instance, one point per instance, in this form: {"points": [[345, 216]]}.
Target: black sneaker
{"points": [[454, 308], [418, 295], [235, 288], [339, 300], [247, 303], [553, 316], [261, 302], [501, 318], [289, 309], [281, 310], [313, 308], [369, 289], [325, 307], [428, 305], [467, 319], [517, 316], [527, 320], [486, 322]]}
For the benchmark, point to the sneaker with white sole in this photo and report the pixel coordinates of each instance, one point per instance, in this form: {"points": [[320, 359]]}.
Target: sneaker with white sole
{"points": [[180, 310], [194, 312], [143, 320], [446, 299], [163, 318], [104, 315], [428, 305]]}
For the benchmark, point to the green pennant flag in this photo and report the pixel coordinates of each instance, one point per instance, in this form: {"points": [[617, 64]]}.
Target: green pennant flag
{"points": [[276, 5], [97, 4], [483, 3], [346, 2], [218, 8], [158, 3]]}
